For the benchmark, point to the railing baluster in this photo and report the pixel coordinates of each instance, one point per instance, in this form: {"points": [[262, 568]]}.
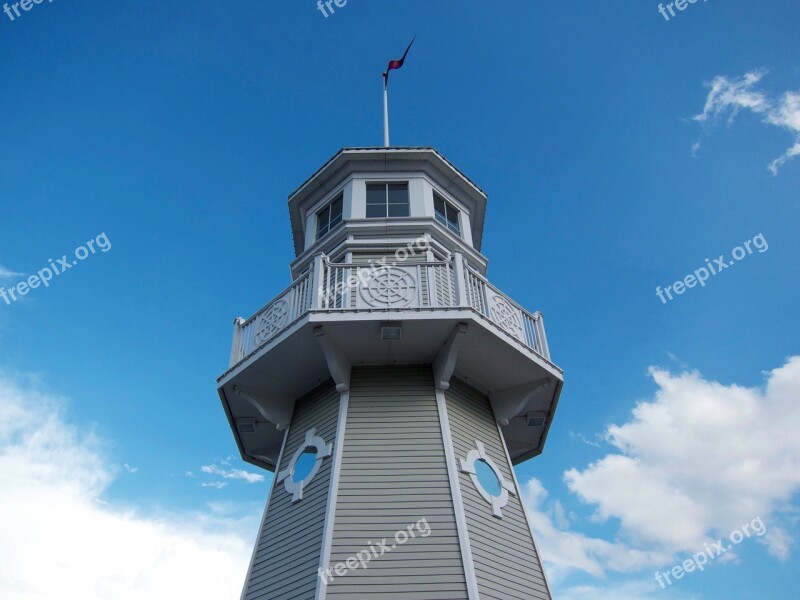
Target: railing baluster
{"points": [[237, 350], [318, 274], [461, 282]]}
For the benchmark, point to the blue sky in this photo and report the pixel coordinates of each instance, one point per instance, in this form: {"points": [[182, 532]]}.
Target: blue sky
{"points": [[619, 151]]}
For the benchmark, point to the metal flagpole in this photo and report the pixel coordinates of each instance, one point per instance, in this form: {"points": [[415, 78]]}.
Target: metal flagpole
{"points": [[395, 64], [386, 109]]}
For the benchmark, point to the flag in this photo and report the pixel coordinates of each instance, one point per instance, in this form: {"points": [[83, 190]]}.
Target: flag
{"points": [[396, 64]]}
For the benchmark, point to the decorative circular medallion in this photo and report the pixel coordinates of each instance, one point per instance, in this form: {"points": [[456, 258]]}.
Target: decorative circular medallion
{"points": [[311, 444], [497, 500], [505, 315], [272, 321], [389, 287]]}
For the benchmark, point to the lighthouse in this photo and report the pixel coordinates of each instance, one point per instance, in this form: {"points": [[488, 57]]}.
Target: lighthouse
{"points": [[391, 388]]}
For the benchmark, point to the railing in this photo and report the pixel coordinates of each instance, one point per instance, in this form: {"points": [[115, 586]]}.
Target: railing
{"points": [[391, 287], [272, 320]]}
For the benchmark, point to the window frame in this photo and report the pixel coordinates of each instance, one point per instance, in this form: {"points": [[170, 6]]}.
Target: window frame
{"points": [[453, 227], [332, 223], [386, 200]]}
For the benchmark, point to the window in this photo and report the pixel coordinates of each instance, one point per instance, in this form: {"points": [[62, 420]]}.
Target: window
{"points": [[305, 464], [488, 478], [446, 214], [387, 200], [329, 217]]}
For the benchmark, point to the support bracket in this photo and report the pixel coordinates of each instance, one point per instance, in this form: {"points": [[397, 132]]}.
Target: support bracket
{"points": [[280, 411], [338, 364], [510, 402], [445, 362]]}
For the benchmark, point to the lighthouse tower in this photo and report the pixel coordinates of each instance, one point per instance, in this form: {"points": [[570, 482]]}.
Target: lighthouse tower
{"points": [[391, 388]]}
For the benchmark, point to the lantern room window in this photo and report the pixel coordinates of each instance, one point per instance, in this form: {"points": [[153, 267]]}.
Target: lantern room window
{"points": [[329, 217], [446, 214], [387, 200]]}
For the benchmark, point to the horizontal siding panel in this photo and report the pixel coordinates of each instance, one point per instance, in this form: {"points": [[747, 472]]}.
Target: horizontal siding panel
{"points": [[417, 584], [511, 584], [263, 580], [503, 568], [421, 568], [393, 521], [393, 474], [444, 559], [401, 594], [402, 513]]}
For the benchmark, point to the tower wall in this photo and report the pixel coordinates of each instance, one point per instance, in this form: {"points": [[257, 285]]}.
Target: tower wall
{"points": [[504, 556], [396, 500], [394, 474], [288, 548]]}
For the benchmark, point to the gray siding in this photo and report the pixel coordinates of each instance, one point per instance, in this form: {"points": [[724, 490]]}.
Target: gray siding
{"points": [[506, 564], [394, 473], [290, 541]]}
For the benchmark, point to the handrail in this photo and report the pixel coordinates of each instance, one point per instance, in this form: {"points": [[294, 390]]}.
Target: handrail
{"points": [[399, 285]]}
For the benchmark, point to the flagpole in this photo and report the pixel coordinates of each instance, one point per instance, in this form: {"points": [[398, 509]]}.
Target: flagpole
{"points": [[395, 64], [386, 110]]}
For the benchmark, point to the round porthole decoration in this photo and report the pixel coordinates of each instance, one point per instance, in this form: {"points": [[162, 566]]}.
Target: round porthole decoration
{"points": [[305, 464], [480, 468]]}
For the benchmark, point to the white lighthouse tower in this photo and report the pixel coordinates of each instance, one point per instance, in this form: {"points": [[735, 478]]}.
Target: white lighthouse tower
{"points": [[391, 388]]}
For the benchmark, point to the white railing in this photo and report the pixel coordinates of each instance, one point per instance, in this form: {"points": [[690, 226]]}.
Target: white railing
{"points": [[394, 287], [272, 320], [505, 313]]}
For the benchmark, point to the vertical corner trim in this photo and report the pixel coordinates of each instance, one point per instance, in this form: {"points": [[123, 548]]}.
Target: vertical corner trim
{"points": [[458, 502], [333, 494]]}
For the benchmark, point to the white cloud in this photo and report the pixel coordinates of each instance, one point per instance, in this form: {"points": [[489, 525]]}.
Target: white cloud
{"points": [[62, 541], [636, 590], [8, 274], [699, 460], [565, 550], [130, 469], [694, 464], [779, 543], [217, 485], [239, 474], [731, 95], [582, 438]]}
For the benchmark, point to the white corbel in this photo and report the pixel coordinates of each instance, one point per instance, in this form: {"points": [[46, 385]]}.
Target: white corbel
{"points": [[510, 402], [338, 364], [445, 362], [279, 411]]}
